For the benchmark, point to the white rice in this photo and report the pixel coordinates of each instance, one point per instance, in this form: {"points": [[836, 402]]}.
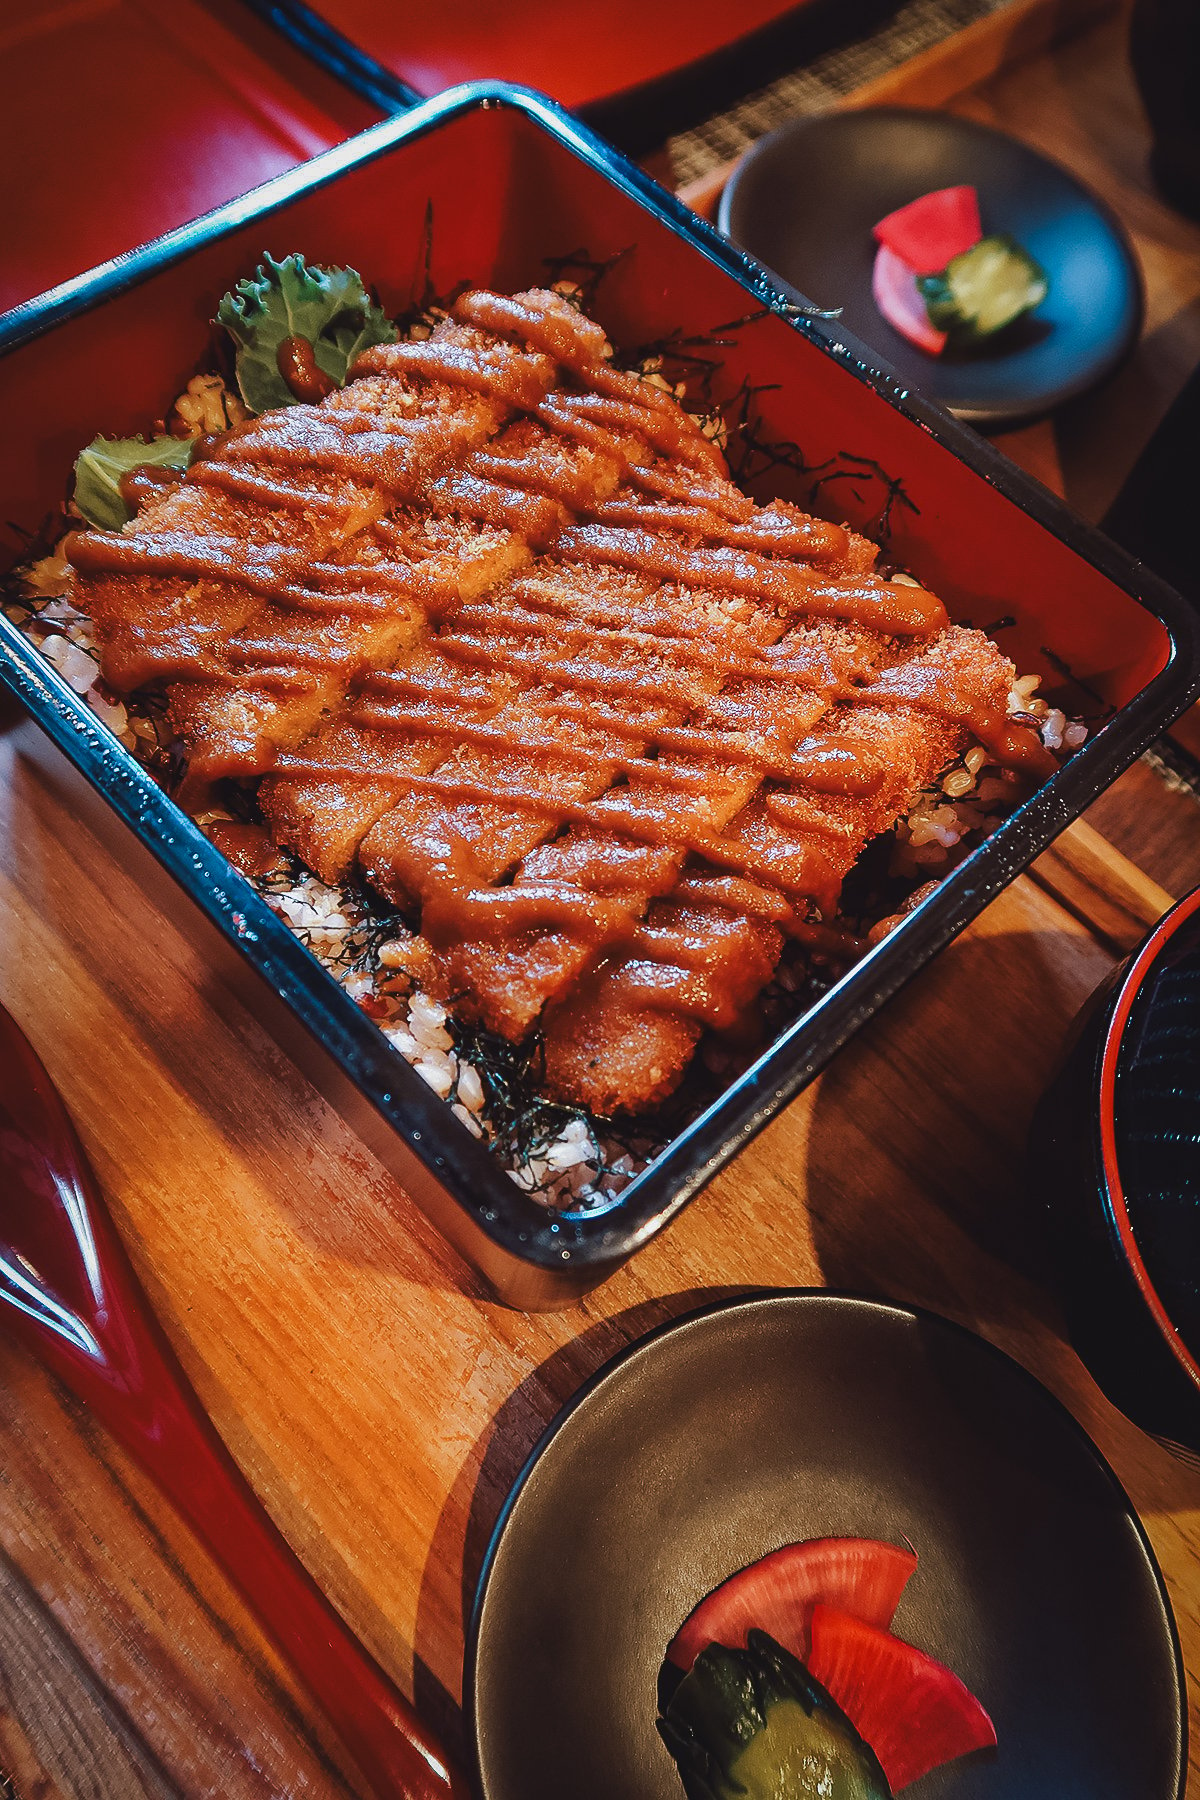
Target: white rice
{"points": [[946, 821]]}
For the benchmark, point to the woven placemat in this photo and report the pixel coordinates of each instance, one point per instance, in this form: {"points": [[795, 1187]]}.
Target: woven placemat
{"points": [[916, 25]]}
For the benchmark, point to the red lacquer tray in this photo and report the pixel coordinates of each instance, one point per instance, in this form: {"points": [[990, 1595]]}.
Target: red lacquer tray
{"points": [[581, 55], [121, 120]]}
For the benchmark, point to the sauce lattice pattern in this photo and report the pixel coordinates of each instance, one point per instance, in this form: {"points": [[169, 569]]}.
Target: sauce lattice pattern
{"points": [[492, 624]]}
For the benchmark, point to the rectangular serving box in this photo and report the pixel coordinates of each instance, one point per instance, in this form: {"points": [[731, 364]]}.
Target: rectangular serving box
{"points": [[511, 183]]}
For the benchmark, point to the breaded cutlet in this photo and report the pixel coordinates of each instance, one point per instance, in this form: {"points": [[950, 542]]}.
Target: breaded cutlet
{"points": [[620, 1041], [492, 626]]}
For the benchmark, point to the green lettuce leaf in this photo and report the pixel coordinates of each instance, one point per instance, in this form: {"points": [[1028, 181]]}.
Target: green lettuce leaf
{"points": [[99, 468], [329, 307]]}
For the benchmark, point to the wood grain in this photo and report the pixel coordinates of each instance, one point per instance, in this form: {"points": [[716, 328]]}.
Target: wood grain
{"points": [[998, 44], [1070, 93], [378, 1402], [82, 1742], [1102, 888], [1079, 106]]}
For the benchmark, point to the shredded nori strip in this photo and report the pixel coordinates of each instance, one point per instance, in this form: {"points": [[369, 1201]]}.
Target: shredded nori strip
{"points": [[524, 1121], [584, 271], [1063, 668]]}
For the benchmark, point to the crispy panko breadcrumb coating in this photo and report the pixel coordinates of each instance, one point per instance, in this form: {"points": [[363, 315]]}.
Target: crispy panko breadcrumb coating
{"points": [[493, 626]]}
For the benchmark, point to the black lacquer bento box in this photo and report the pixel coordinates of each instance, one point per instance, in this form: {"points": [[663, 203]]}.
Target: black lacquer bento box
{"points": [[512, 184]]}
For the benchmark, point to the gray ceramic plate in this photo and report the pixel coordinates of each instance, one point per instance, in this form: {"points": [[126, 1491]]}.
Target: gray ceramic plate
{"points": [[798, 1415], [804, 201]]}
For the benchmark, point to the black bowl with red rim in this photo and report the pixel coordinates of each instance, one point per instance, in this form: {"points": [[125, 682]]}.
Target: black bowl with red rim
{"points": [[1116, 1156]]}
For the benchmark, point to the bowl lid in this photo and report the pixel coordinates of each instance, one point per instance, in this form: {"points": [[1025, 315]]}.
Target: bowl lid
{"points": [[1150, 1125]]}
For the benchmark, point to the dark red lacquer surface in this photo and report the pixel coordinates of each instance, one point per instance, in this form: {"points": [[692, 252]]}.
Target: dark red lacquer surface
{"points": [[123, 118], [575, 54], [73, 1298], [1110, 1063]]}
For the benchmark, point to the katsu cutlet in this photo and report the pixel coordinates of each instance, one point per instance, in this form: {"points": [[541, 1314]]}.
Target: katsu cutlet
{"points": [[310, 545], [493, 627], [639, 1015]]}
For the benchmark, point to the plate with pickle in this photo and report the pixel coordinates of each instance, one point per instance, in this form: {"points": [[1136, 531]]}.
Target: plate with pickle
{"points": [[985, 274], [805, 1546]]}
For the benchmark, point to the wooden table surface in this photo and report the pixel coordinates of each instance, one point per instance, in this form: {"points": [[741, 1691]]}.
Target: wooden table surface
{"points": [[378, 1401]]}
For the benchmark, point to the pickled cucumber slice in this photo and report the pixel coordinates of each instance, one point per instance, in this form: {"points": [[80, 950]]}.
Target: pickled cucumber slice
{"points": [[752, 1724], [986, 288]]}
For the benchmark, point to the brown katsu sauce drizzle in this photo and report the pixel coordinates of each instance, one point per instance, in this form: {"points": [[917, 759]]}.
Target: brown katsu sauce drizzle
{"points": [[888, 606], [249, 848], [537, 517], [828, 767], [145, 481], [248, 482], [671, 654], [770, 533], [297, 363], [664, 986], [817, 874], [515, 377], [681, 697]]}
